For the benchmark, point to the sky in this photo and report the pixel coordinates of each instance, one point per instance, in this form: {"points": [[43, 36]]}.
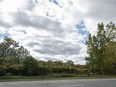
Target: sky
{"points": [[54, 29]]}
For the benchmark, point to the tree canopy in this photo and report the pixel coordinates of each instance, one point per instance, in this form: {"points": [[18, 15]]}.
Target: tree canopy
{"points": [[98, 46], [11, 52]]}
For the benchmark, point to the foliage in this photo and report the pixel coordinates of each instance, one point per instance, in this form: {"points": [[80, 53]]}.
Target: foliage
{"points": [[11, 52], [97, 48], [11, 70], [69, 62], [30, 65]]}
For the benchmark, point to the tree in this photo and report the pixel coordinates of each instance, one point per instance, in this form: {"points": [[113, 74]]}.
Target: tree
{"points": [[110, 58], [30, 65], [96, 47], [91, 63], [11, 52], [70, 62]]}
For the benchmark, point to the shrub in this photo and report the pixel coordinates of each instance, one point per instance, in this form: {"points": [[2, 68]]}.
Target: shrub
{"points": [[29, 65]]}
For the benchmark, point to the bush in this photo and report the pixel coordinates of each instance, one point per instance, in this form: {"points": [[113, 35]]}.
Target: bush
{"points": [[43, 71], [2, 72], [11, 70], [29, 65]]}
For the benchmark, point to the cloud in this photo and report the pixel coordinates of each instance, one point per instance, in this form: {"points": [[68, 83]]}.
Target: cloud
{"points": [[97, 11], [54, 29], [51, 43], [52, 47], [5, 24], [101, 10], [30, 4], [47, 45], [1, 0], [38, 22]]}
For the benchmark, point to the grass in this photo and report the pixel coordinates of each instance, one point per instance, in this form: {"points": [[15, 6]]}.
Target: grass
{"points": [[54, 76]]}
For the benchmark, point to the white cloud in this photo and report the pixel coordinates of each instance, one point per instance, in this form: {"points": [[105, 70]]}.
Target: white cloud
{"points": [[47, 28], [95, 11]]}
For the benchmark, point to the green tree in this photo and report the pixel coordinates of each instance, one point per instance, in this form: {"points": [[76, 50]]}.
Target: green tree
{"points": [[91, 63], [70, 62], [30, 65], [110, 58], [11, 52], [96, 47]]}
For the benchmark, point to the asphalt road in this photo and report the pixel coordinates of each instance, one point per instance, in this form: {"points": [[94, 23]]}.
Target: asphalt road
{"points": [[62, 83]]}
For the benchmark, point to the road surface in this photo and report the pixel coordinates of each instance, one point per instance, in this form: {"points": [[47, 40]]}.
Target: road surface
{"points": [[62, 83]]}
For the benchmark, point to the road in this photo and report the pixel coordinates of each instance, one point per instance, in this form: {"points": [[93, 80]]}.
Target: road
{"points": [[62, 83]]}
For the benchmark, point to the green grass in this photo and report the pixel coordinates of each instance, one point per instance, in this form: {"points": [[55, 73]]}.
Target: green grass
{"points": [[53, 77]]}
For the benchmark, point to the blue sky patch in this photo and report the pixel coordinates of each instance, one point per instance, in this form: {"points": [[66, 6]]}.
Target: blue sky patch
{"points": [[3, 35], [81, 28]]}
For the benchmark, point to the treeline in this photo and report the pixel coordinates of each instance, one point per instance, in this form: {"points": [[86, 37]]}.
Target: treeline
{"points": [[101, 59], [101, 49], [16, 60]]}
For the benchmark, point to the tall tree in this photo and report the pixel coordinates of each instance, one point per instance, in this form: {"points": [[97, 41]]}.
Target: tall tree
{"points": [[110, 58], [96, 47], [11, 52]]}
